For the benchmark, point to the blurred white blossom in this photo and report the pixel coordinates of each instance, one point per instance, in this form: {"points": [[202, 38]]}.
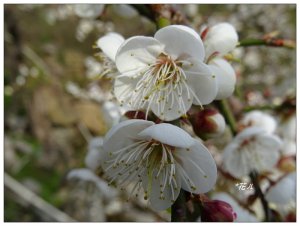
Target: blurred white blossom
{"points": [[259, 119], [284, 191], [252, 149], [93, 157], [86, 175]]}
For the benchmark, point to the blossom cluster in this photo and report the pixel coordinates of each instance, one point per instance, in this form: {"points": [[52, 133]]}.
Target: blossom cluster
{"points": [[166, 75], [170, 85]]}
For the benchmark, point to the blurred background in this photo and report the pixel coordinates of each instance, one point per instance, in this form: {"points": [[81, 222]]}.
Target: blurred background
{"points": [[58, 102]]}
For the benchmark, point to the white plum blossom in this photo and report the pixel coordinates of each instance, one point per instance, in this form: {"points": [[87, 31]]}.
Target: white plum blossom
{"points": [[83, 175], [88, 10], [165, 74], [259, 119], [110, 44], [253, 149], [219, 40], [284, 191], [160, 158]]}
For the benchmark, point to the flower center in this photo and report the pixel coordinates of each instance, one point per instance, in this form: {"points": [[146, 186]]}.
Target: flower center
{"points": [[143, 160], [162, 87], [167, 69]]}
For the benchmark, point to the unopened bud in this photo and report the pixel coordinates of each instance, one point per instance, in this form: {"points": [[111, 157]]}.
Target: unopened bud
{"points": [[217, 211], [207, 123]]}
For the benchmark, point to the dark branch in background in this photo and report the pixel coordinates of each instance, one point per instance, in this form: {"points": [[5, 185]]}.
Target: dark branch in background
{"points": [[258, 192]]}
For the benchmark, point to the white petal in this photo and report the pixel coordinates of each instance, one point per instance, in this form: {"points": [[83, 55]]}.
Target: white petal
{"points": [[167, 134], [199, 165], [283, 191], [180, 41], [220, 38], [261, 119], [121, 134], [137, 52], [248, 132], [123, 88], [201, 80], [110, 44], [169, 109], [154, 193], [225, 75], [267, 152]]}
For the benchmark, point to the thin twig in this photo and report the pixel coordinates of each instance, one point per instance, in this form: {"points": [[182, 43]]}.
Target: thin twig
{"points": [[274, 42], [225, 109], [30, 54], [27, 198], [259, 193]]}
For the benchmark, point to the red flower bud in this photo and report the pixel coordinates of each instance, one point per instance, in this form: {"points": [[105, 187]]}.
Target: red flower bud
{"points": [[217, 211], [207, 123]]}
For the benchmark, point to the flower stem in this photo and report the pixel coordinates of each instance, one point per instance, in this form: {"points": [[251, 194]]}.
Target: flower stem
{"points": [[259, 193], [275, 42], [179, 209], [228, 115]]}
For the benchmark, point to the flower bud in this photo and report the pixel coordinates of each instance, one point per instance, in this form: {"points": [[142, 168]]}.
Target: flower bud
{"points": [[207, 123], [220, 38], [217, 211]]}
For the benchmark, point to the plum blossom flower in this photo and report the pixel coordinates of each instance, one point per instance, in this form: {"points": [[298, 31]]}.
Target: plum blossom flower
{"points": [[165, 74], [219, 40], [160, 158], [252, 149], [259, 119]]}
